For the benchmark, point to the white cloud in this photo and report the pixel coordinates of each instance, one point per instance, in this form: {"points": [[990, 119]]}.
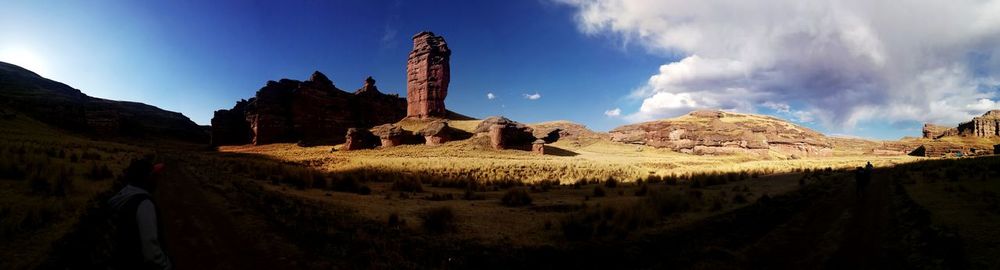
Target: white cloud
{"points": [[983, 104], [613, 112], [490, 96], [839, 61], [778, 107], [534, 96]]}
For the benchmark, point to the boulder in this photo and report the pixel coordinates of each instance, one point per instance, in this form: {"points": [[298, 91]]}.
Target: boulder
{"points": [[538, 147], [427, 76], [505, 133], [436, 133], [390, 134], [357, 139]]}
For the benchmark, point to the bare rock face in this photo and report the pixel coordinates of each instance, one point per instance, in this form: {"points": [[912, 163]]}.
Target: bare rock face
{"points": [[230, 127], [932, 131], [505, 133], [722, 133], [390, 134], [436, 133], [427, 76], [985, 126], [313, 111], [357, 139]]}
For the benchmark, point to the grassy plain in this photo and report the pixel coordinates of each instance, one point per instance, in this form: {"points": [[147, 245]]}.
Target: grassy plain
{"points": [[48, 178]]}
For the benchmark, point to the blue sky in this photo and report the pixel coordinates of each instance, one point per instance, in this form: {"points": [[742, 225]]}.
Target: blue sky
{"points": [[584, 58]]}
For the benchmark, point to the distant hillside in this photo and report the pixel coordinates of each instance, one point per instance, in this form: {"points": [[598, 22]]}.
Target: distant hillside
{"points": [[717, 132], [63, 106]]}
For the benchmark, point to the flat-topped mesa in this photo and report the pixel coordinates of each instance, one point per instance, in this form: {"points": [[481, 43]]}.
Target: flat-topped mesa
{"points": [[427, 76]]}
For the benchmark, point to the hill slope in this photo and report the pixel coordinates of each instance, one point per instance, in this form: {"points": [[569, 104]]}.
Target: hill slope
{"points": [[63, 106]]}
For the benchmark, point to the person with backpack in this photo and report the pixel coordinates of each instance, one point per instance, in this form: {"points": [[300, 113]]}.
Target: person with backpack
{"points": [[137, 229]]}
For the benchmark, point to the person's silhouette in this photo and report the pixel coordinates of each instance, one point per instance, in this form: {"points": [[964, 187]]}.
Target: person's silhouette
{"points": [[137, 235]]}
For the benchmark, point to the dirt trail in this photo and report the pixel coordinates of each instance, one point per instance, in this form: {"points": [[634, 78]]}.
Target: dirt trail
{"points": [[201, 232], [838, 231]]}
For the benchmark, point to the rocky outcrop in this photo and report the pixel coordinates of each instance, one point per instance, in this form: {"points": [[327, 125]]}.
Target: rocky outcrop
{"points": [[932, 131], [985, 126], [505, 133], [314, 110], [721, 133], [62, 106], [437, 133], [390, 134], [427, 76], [357, 139], [538, 147], [230, 127]]}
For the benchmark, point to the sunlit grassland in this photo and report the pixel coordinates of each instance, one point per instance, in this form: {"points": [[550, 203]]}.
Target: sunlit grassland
{"points": [[472, 159]]}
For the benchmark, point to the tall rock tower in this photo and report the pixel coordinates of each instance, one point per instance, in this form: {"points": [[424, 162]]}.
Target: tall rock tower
{"points": [[427, 76]]}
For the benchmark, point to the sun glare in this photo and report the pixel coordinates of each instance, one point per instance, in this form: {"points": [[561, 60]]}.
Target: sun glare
{"points": [[25, 58]]}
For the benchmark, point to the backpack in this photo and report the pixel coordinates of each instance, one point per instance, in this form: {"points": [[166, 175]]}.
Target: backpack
{"points": [[126, 251]]}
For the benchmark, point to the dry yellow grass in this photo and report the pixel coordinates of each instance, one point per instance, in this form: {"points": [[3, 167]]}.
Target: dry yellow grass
{"points": [[471, 159]]}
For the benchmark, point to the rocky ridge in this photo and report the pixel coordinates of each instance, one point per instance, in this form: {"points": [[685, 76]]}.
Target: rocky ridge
{"points": [[708, 132], [313, 111]]}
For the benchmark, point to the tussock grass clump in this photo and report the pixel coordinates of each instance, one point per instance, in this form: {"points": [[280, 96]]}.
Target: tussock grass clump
{"points": [[408, 184], [620, 221], [611, 182], [438, 220], [516, 197]]}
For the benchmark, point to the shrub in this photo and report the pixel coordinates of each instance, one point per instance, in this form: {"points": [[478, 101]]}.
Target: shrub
{"points": [[611, 182], [599, 191], [516, 197], [441, 197], [471, 195], [408, 184], [438, 219]]}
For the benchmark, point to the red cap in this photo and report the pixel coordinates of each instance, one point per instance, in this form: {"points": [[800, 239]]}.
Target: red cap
{"points": [[158, 168]]}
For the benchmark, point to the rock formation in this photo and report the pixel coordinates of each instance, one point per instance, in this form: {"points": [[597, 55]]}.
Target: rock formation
{"points": [[357, 139], [390, 134], [932, 131], [538, 147], [985, 126], [313, 110], [427, 76], [717, 132], [436, 133], [505, 133]]}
